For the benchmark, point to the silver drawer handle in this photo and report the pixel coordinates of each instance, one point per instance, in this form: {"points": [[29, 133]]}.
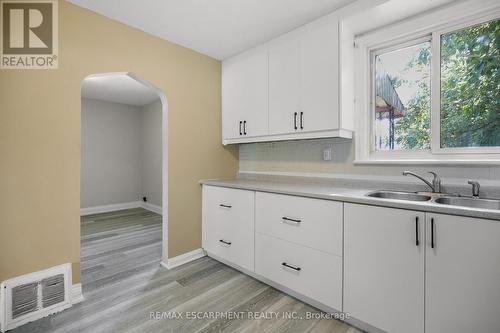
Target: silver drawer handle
{"points": [[292, 267], [291, 221], [225, 242], [225, 206]]}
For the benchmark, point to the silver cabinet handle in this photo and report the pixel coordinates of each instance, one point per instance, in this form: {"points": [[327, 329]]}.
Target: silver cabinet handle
{"points": [[285, 219], [224, 242], [296, 268]]}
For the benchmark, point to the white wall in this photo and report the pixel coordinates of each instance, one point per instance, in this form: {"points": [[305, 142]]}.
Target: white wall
{"points": [[152, 153], [307, 157], [111, 153], [121, 153]]}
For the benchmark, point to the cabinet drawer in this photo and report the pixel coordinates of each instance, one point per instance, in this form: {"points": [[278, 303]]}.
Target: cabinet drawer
{"points": [[234, 246], [311, 222], [228, 224], [317, 275]]}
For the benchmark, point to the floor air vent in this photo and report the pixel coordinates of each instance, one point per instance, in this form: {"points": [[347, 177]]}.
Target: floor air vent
{"points": [[36, 295], [52, 290], [24, 299]]}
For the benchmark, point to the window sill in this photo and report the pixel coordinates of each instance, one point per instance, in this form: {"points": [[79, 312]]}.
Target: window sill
{"points": [[447, 162]]}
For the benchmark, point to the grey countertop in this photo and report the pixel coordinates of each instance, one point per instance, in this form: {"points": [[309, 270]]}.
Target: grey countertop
{"points": [[329, 191]]}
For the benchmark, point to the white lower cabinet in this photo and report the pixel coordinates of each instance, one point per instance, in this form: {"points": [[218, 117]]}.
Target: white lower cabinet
{"points": [[462, 275], [396, 270], [298, 244], [298, 241], [228, 225], [384, 267], [312, 273], [453, 273]]}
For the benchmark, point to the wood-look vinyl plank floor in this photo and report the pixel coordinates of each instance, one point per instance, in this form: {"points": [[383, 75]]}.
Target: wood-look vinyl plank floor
{"points": [[123, 284]]}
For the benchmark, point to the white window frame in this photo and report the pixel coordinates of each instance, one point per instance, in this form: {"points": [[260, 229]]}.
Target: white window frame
{"points": [[429, 27]]}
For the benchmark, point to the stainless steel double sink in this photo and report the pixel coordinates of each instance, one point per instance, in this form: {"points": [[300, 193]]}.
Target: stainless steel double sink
{"points": [[441, 199]]}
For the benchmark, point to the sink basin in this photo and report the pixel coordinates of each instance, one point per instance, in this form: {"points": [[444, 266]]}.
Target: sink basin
{"points": [[469, 202], [396, 195]]}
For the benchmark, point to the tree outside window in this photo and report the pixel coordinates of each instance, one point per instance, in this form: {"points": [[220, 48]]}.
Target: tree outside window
{"points": [[469, 92]]}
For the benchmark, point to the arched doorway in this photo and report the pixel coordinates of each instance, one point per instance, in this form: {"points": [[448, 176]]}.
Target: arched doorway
{"points": [[121, 85]]}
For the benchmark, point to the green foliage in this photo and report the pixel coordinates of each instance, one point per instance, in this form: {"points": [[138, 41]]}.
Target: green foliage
{"points": [[470, 92], [470, 87], [413, 130]]}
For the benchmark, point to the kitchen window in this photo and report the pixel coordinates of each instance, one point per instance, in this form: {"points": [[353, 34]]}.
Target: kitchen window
{"points": [[433, 97]]}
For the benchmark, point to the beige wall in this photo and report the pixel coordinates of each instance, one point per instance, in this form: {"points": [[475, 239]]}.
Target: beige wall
{"points": [[306, 156], [40, 138]]}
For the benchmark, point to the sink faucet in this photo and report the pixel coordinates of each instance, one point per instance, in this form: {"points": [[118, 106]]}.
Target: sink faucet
{"points": [[475, 188], [436, 181]]}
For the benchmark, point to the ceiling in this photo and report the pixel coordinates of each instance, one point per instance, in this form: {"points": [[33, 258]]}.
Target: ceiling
{"points": [[117, 88], [218, 28]]}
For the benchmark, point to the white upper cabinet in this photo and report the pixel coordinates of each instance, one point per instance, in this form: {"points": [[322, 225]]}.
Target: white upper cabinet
{"points": [[319, 78], [303, 81], [284, 87], [244, 95], [287, 89]]}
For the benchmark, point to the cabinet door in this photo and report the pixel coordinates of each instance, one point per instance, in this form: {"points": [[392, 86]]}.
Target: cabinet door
{"points": [[283, 86], [228, 225], [462, 275], [384, 267], [319, 78], [245, 94]]}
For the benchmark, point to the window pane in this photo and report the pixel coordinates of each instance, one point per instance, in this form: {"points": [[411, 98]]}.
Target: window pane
{"points": [[470, 87], [402, 98]]}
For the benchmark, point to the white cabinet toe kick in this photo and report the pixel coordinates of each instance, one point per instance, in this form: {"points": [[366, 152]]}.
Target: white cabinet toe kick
{"points": [[387, 269]]}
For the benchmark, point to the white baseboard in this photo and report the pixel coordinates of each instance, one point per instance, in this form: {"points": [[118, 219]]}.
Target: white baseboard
{"points": [[153, 208], [183, 258], [125, 205], [2, 310], [109, 208], [76, 293]]}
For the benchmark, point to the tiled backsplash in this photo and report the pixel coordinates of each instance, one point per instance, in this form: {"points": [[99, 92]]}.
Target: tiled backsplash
{"points": [[306, 156]]}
